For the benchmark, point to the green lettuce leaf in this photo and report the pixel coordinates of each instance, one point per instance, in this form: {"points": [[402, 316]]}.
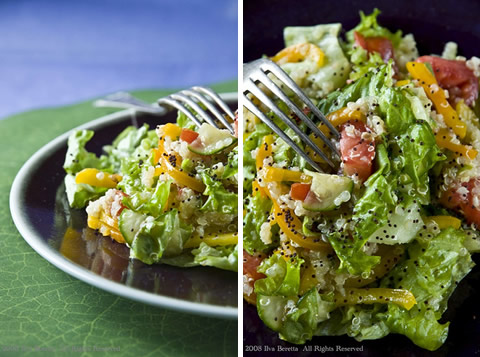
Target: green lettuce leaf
{"points": [[127, 141], [78, 158], [318, 81], [282, 276], [184, 122], [431, 273], [362, 62], [295, 320], [158, 200], [219, 198], [161, 236], [361, 322], [220, 257], [371, 84], [258, 209], [284, 154], [79, 195], [231, 169]]}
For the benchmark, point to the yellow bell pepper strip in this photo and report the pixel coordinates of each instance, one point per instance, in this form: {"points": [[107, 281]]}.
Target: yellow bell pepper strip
{"points": [[97, 178], [291, 225], [264, 151], [180, 176], [213, 240], [390, 257], [341, 116], [106, 225], [256, 188], [275, 174], [427, 80], [157, 152], [169, 163], [300, 52], [402, 83], [444, 222], [444, 140], [286, 250], [400, 297], [171, 130]]}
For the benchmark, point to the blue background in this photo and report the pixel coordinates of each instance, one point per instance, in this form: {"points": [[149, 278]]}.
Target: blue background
{"points": [[60, 52]]}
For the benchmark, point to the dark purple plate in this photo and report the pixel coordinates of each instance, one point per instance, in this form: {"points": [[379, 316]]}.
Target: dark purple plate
{"points": [[433, 23], [60, 234]]}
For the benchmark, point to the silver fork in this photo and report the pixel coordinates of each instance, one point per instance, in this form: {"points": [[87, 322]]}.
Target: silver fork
{"points": [[126, 100], [257, 72], [195, 96], [191, 97]]}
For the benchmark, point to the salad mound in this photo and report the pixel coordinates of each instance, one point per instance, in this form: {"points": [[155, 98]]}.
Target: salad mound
{"points": [[378, 244], [169, 194]]}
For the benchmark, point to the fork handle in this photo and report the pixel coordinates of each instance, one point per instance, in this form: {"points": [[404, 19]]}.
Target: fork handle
{"points": [[127, 101]]}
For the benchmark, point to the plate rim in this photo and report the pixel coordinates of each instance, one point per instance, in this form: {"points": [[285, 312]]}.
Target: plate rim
{"points": [[59, 261]]}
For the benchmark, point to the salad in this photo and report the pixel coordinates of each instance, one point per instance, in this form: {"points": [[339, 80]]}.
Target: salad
{"points": [[378, 243], [169, 194]]}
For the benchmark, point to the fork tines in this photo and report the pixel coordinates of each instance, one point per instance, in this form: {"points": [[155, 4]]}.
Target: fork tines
{"points": [[255, 73], [189, 102]]}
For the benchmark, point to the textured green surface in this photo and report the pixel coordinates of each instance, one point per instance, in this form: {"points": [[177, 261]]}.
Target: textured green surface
{"points": [[44, 311]]}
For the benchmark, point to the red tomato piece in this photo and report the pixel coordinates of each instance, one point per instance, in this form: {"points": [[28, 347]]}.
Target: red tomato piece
{"points": [[455, 76], [381, 45], [250, 265], [188, 135], [299, 191], [357, 152], [464, 198]]}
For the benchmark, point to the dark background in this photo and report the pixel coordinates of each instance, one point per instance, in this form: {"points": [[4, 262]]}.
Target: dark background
{"points": [[433, 23]]}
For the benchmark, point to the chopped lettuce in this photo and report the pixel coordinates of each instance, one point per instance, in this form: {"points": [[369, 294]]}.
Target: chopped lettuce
{"points": [[295, 320], [220, 257], [362, 62], [164, 235], [78, 158], [359, 321], [318, 81], [147, 200], [431, 273], [128, 141], [231, 169], [219, 198], [184, 122], [257, 212], [157, 202], [282, 275], [283, 153]]}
